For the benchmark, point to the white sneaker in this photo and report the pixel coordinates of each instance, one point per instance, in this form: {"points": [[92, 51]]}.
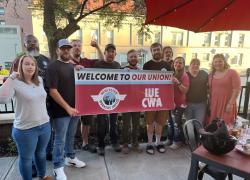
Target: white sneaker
{"points": [[175, 145], [59, 174], [74, 162]]}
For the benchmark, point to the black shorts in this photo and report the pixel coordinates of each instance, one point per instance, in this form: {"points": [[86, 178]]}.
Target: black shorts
{"points": [[87, 120]]}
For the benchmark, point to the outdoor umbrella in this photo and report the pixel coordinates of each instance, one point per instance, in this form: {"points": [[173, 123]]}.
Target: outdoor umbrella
{"points": [[200, 15]]}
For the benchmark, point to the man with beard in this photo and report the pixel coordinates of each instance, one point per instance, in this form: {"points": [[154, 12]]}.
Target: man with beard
{"points": [[104, 119], [76, 59], [168, 56], [157, 118], [31, 45], [61, 84], [129, 117]]}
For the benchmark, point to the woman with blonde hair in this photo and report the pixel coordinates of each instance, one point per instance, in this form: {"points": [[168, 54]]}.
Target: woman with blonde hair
{"points": [[31, 129], [224, 87]]}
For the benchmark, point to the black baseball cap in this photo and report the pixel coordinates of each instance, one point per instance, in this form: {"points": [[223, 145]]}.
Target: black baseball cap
{"points": [[110, 46]]}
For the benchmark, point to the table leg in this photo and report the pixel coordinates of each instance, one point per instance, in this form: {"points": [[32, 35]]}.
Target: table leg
{"points": [[194, 168]]}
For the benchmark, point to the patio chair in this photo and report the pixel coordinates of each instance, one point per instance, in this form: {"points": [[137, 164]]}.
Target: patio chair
{"points": [[191, 133]]}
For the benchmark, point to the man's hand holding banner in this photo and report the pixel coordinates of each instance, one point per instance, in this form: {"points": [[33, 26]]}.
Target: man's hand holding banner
{"points": [[105, 91]]}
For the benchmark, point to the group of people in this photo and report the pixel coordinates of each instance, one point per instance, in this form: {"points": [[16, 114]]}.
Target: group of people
{"points": [[46, 117]]}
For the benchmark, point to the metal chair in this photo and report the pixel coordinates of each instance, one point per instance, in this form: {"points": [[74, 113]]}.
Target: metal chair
{"points": [[191, 133]]}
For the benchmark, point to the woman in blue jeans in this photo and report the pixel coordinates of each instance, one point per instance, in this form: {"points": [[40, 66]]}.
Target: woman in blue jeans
{"points": [[31, 127]]}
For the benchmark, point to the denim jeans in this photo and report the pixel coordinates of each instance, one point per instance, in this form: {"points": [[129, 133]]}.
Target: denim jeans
{"points": [[64, 129], [103, 127], [31, 144], [49, 148], [196, 111], [175, 131]]}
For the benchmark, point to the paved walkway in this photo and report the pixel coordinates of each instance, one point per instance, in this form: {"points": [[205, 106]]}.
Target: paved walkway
{"points": [[173, 165]]}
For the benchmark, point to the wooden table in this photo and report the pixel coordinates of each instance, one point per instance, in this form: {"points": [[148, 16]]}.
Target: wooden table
{"points": [[233, 162]]}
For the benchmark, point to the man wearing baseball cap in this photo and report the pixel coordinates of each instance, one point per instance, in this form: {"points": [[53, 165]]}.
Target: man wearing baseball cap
{"points": [[61, 84], [103, 119]]}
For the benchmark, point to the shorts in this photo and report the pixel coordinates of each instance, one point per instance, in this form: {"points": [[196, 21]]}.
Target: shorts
{"points": [[87, 120], [156, 116]]}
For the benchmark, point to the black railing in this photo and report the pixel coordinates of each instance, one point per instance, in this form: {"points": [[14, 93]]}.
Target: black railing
{"points": [[243, 111]]}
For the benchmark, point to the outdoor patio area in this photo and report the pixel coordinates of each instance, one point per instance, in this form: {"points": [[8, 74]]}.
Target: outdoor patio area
{"points": [[173, 165]]}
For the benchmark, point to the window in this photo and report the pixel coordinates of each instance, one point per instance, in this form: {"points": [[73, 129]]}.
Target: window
{"points": [[93, 55], [122, 57], [181, 55], [4, 30], [177, 39], [2, 11], [207, 40], [241, 40], [158, 37], [194, 55], [95, 35], [110, 37], [228, 39], [237, 59], [205, 56], [217, 39], [140, 38], [2, 22]]}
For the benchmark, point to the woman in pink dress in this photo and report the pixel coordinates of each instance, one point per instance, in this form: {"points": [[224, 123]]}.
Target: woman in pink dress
{"points": [[224, 87]]}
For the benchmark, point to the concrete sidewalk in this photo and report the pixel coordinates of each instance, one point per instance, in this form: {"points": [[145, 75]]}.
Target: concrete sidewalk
{"points": [[173, 165]]}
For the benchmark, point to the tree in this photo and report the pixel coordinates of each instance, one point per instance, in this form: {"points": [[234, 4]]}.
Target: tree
{"points": [[112, 11]]}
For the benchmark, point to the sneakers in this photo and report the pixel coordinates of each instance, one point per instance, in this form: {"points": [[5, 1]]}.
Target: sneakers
{"points": [[168, 142], [101, 151], [150, 149], [85, 147], [116, 147], [59, 174], [160, 148], [89, 147], [176, 145], [136, 148], [46, 178], [74, 162], [125, 149]]}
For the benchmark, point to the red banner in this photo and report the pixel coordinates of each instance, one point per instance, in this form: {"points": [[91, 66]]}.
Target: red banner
{"points": [[105, 91]]}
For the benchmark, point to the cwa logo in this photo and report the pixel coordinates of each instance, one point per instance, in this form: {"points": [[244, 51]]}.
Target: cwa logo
{"points": [[108, 98]]}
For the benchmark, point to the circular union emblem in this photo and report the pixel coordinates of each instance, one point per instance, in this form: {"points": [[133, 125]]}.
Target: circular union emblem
{"points": [[109, 98]]}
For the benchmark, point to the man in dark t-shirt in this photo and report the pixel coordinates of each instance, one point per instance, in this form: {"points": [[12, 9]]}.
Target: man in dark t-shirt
{"points": [[103, 119], [159, 117], [61, 84], [76, 59]]}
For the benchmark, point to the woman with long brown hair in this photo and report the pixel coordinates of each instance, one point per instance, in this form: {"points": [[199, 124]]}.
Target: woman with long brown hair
{"points": [[224, 87], [31, 131]]}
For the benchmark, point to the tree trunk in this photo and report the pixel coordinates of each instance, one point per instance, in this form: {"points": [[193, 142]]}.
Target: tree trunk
{"points": [[52, 48]]}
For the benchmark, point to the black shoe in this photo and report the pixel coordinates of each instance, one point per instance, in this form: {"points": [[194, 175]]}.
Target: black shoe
{"points": [[85, 147], [117, 147], [150, 149], [34, 172], [160, 148], [92, 148], [49, 157], [101, 151]]}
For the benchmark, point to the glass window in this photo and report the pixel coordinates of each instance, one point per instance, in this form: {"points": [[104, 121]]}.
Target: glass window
{"points": [[4, 30], [217, 39], [2, 22], [237, 59], [2, 11], [158, 37], [93, 55], [228, 39], [241, 40], [194, 55], [205, 56], [95, 35], [140, 38], [177, 39], [207, 40], [110, 37], [181, 55]]}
